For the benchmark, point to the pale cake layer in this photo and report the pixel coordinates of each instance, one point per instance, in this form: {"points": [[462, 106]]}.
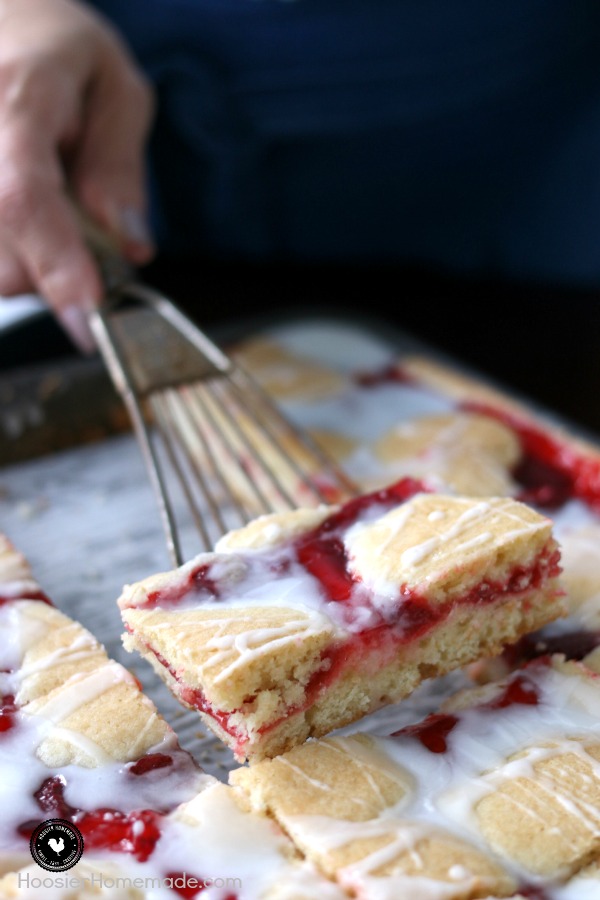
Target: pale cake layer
{"points": [[465, 389], [464, 453], [369, 681], [234, 653], [494, 795], [284, 374], [430, 584], [97, 709]]}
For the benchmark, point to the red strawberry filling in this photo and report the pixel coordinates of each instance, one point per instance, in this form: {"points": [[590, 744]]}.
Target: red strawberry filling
{"points": [[433, 731], [102, 829], [414, 618], [551, 472], [574, 644], [8, 709]]}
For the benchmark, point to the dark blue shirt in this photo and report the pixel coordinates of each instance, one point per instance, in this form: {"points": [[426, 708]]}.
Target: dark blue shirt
{"points": [[458, 133]]}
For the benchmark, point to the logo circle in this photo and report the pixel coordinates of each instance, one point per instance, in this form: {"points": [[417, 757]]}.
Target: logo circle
{"points": [[56, 845]]}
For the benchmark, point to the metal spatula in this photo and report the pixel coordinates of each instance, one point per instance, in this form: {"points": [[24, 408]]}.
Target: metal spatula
{"points": [[218, 450]]}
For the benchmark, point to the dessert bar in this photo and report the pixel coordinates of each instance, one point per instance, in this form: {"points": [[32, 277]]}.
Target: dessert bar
{"points": [[79, 742], [305, 621], [416, 415], [497, 794]]}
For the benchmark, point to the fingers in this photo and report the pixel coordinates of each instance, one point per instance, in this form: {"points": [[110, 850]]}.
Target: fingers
{"points": [[109, 175], [74, 116], [44, 247], [14, 278]]}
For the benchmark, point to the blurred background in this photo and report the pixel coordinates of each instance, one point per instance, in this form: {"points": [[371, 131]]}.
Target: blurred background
{"points": [[433, 166]]}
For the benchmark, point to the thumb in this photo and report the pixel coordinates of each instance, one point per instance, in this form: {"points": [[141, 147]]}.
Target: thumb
{"points": [[108, 173]]}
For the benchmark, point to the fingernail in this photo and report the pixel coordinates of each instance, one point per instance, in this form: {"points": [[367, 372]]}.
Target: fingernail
{"points": [[133, 226], [75, 322]]}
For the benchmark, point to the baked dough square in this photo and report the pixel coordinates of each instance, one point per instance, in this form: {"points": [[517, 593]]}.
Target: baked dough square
{"points": [[78, 738], [306, 621], [80, 742], [493, 795]]}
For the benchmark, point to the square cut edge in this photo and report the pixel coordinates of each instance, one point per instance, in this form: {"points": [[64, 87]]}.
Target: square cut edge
{"points": [[396, 589]]}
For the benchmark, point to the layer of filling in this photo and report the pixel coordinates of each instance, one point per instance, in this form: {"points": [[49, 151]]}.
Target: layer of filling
{"points": [[550, 471], [369, 635], [372, 649]]}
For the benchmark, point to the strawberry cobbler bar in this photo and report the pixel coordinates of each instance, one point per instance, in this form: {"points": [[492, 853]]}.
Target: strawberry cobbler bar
{"points": [[306, 621]]}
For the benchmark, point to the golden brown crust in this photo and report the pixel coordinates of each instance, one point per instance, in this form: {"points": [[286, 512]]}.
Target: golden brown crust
{"points": [[273, 529], [449, 543], [332, 777], [284, 374], [450, 867], [335, 798], [257, 663], [208, 649], [96, 708], [465, 453], [547, 821], [465, 388], [347, 801], [56, 649]]}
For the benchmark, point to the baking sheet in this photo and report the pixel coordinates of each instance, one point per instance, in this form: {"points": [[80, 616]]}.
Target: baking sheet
{"points": [[87, 521]]}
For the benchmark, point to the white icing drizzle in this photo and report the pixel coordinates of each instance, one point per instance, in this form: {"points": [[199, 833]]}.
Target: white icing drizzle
{"points": [[451, 444], [444, 789], [401, 837], [258, 641], [273, 577], [405, 838], [402, 517], [360, 410], [232, 651], [436, 515], [320, 785], [22, 629], [79, 690], [218, 841], [371, 781], [243, 855], [80, 648], [417, 887], [297, 589], [417, 554]]}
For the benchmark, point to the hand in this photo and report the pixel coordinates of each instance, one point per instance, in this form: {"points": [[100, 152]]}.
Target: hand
{"points": [[74, 116]]}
